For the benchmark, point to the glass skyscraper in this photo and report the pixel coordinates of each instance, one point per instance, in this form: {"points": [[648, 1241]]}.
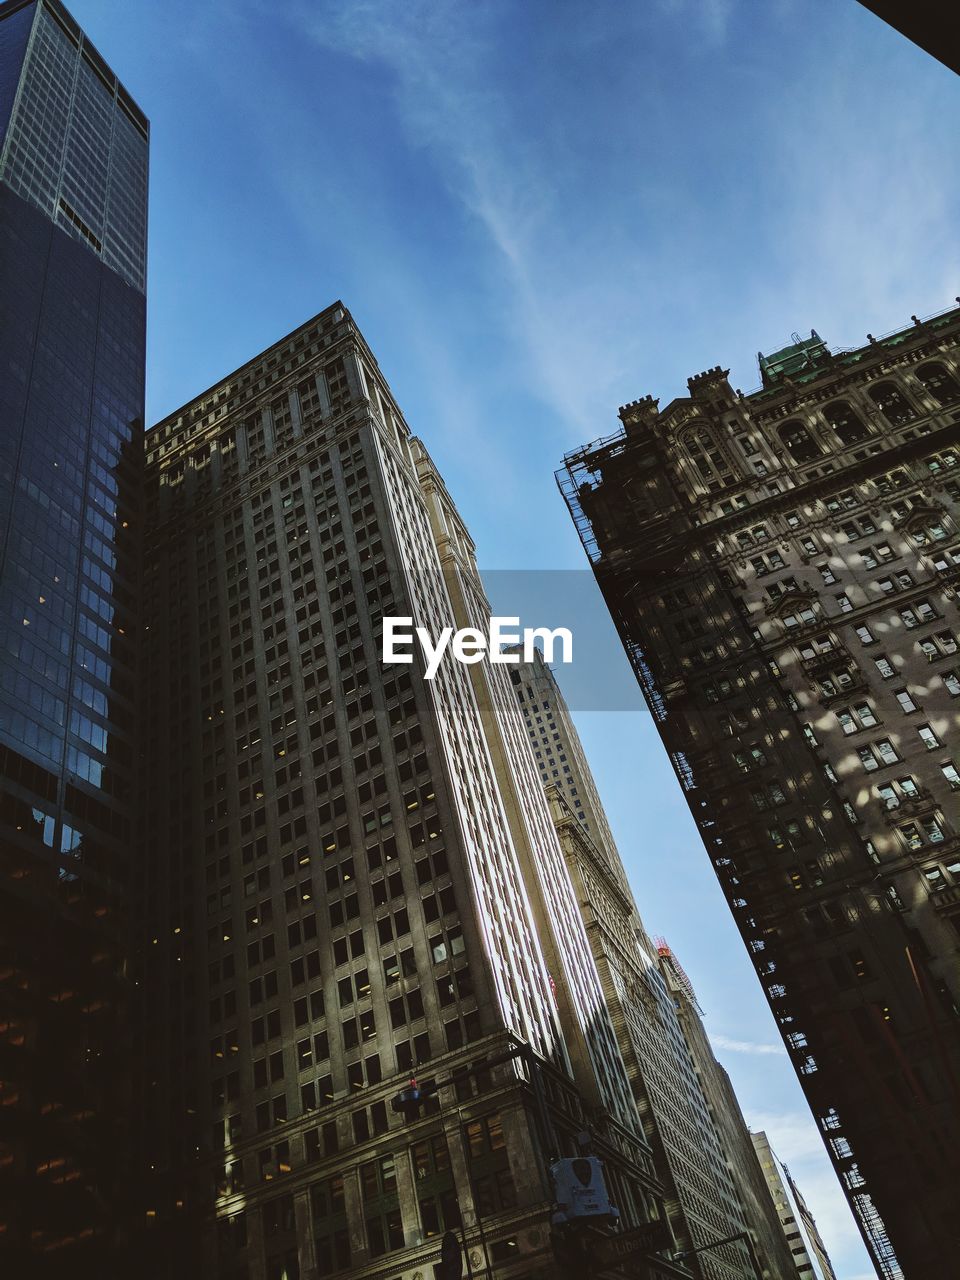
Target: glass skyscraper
{"points": [[73, 194]]}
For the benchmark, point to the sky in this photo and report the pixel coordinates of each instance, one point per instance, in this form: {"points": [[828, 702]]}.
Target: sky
{"points": [[539, 210]]}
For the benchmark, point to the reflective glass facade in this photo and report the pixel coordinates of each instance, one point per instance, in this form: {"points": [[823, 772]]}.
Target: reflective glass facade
{"points": [[72, 316]]}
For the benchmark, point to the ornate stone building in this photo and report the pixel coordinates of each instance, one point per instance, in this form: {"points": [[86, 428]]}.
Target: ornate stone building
{"points": [[783, 569], [350, 873]]}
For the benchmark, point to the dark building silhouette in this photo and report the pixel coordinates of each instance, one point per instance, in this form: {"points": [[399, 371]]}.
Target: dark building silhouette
{"points": [[73, 181], [927, 23], [783, 570]]}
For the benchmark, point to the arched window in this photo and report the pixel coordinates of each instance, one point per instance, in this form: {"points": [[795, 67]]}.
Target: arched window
{"points": [[799, 442], [845, 421], [941, 384], [892, 403]]}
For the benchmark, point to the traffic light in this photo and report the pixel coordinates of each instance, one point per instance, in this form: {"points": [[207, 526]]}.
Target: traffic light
{"points": [[407, 1102]]}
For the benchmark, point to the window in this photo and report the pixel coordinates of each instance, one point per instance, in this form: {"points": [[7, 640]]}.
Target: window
{"points": [[845, 422], [928, 737], [939, 382], [951, 680], [801, 617], [827, 574], [949, 771], [385, 1233], [865, 635], [884, 667], [916, 614], [886, 751], [867, 759], [797, 439], [888, 795], [940, 645], [907, 703], [844, 603], [897, 582], [862, 527], [929, 831], [767, 563], [932, 830], [859, 717], [892, 403]]}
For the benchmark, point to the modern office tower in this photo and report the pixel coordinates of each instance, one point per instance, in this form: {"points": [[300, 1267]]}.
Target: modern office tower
{"points": [[783, 569], [73, 182], [350, 873], [773, 1251], [784, 1208], [703, 1204]]}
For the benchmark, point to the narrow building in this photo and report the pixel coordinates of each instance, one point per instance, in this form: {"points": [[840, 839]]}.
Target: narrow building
{"points": [[783, 570], [775, 1254], [783, 1205], [706, 1201], [73, 210]]}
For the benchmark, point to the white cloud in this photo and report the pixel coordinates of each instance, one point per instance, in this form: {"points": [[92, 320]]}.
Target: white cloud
{"points": [[745, 1046]]}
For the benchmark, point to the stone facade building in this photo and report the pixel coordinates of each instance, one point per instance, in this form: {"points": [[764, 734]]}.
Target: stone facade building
{"points": [[783, 569], [350, 873]]}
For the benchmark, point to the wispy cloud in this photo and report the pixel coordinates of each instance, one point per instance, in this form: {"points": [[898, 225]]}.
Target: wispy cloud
{"points": [[746, 1046], [795, 1141]]}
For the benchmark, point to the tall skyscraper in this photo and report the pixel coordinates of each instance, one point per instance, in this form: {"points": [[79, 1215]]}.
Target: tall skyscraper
{"points": [[697, 1164], [783, 567], [350, 873], [73, 193]]}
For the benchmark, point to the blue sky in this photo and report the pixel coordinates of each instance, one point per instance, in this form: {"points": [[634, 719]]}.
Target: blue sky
{"points": [[538, 210]]}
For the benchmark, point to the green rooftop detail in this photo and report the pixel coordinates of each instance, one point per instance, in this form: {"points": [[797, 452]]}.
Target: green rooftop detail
{"points": [[804, 356]]}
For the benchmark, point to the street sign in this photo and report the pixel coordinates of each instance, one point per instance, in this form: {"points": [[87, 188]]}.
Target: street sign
{"points": [[651, 1237], [451, 1258]]}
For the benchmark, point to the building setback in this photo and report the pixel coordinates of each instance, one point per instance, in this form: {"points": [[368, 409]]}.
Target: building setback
{"points": [[706, 1201], [73, 189], [783, 568], [350, 874]]}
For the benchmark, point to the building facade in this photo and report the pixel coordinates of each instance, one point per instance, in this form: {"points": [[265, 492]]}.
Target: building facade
{"points": [[704, 1200], [774, 1253], [777, 1191], [811, 1232], [73, 189], [782, 567], [350, 873]]}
